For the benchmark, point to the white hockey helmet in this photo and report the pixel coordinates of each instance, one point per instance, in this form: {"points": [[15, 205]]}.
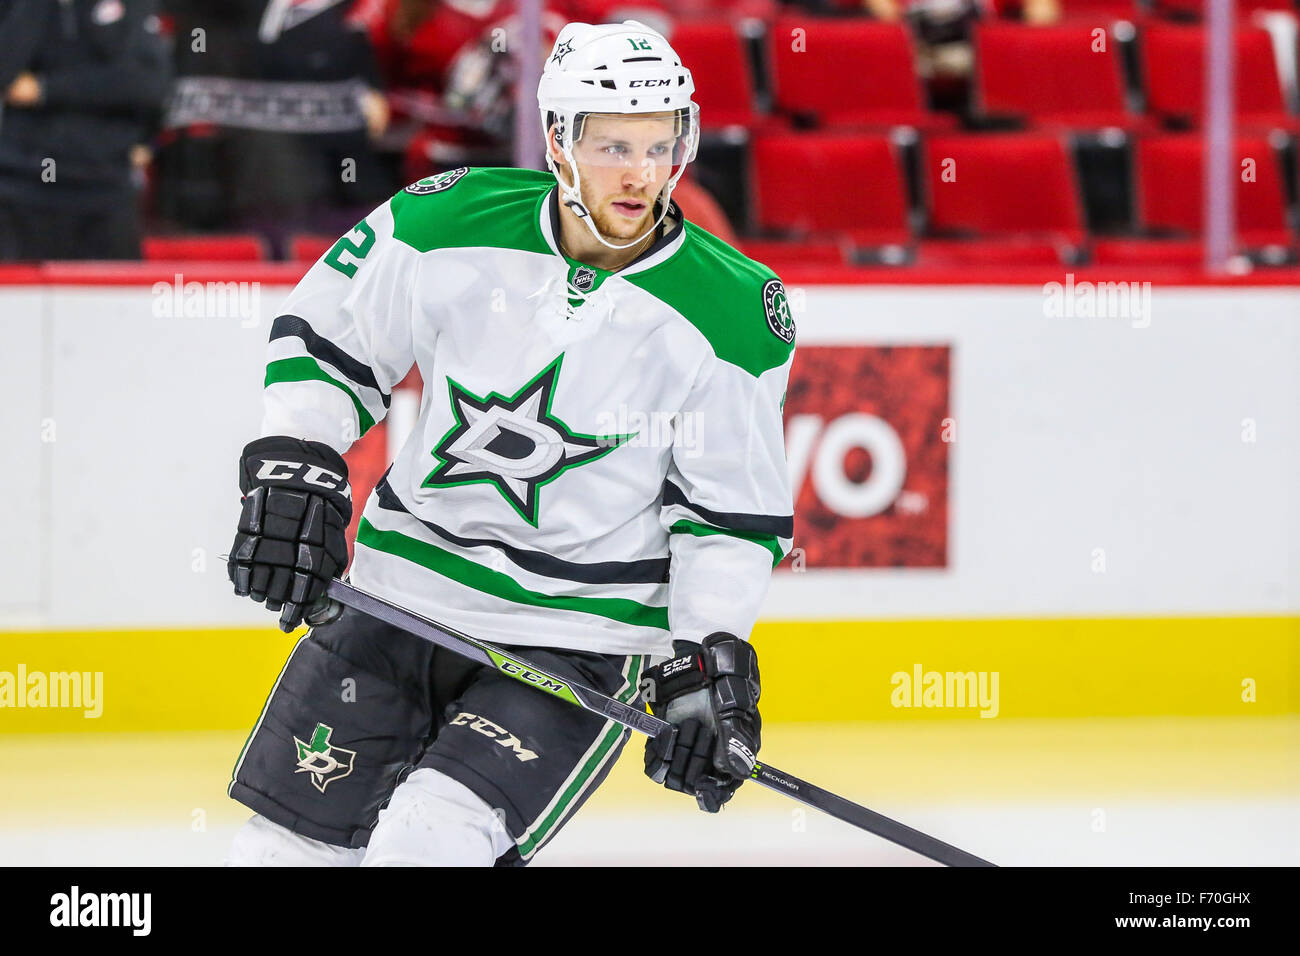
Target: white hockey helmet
{"points": [[620, 68]]}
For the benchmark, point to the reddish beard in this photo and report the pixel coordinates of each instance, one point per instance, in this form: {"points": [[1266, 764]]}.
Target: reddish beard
{"points": [[611, 223]]}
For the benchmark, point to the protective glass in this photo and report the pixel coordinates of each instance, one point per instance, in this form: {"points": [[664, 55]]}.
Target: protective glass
{"points": [[637, 141]]}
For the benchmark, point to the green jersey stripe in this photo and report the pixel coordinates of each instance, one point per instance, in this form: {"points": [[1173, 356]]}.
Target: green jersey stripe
{"points": [[768, 541], [304, 369], [498, 584], [323, 350]]}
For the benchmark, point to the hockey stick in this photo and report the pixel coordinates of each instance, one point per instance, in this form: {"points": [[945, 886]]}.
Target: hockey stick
{"points": [[588, 699]]}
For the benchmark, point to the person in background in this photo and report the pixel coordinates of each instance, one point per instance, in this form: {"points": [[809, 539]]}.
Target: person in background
{"points": [[81, 82], [273, 121], [472, 119]]}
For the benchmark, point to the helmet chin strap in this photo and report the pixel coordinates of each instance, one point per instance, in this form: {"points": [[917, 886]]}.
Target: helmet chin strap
{"points": [[573, 199]]}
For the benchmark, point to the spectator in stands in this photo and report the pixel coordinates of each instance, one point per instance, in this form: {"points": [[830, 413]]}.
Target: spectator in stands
{"points": [[81, 83], [466, 105], [273, 118], [451, 73], [1033, 12], [944, 49]]}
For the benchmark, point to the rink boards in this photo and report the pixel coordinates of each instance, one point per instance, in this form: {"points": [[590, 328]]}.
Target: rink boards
{"points": [[1097, 504]]}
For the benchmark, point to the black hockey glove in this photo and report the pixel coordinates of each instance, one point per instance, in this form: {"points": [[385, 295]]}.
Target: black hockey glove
{"points": [[709, 693], [292, 537]]}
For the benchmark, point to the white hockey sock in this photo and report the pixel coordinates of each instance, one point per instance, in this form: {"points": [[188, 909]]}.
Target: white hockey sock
{"points": [[433, 820], [260, 842]]}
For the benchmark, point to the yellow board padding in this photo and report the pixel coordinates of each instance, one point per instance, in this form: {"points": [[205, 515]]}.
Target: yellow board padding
{"points": [[813, 671], [1094, 667], [152, 680]]}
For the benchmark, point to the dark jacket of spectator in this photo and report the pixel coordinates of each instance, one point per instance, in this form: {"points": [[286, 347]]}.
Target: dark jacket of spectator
{"points": [[266, 109], [103, 73]]}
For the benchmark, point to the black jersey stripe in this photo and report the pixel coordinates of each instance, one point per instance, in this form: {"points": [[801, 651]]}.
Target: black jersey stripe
{"points": [[647, 571], [323, 350], [780, 526]]}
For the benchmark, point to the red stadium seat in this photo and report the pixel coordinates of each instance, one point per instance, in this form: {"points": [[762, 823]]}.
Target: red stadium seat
{"points": [[778, 254], [204, 248], [831, 183], [308, 248], [1170, 189], [1174, 65], [1018, 185], [1099, 11], [715, 55], [1183, 253], [967, 253], [1050, 74], [849, 72]]}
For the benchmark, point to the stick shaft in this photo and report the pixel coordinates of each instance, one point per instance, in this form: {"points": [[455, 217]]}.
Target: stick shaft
{"points": [[592, 700]]}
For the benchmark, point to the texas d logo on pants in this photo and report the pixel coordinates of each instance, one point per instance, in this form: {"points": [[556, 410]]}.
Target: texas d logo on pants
{"points": [[325, 763]]}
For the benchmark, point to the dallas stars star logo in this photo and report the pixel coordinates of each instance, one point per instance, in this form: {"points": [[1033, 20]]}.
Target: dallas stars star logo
{"points": [[561, 51], [514, 443]]}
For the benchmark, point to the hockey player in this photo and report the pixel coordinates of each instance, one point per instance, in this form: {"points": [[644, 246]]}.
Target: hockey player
{"points": [[597, 477]]}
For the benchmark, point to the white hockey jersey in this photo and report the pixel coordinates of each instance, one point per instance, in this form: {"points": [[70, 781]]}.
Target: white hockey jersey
{"points": [[599, 460]]}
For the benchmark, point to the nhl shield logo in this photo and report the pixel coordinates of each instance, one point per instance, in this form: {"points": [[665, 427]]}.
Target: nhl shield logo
{"points": [[584, 279], [777, 308], [437, 184], [325, 762]]}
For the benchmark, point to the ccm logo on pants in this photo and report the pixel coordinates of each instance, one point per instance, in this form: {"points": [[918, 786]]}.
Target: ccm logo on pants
{"points": [[488, 729]]}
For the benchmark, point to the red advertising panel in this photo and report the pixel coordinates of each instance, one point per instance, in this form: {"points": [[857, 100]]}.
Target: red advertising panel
{"points": [[867, 432]]}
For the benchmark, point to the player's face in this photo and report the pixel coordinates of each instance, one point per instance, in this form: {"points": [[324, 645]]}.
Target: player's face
{"points": [[624, 162]]}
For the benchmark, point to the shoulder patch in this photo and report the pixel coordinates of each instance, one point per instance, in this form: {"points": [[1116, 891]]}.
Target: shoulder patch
{"points": [[436, 184], [777, 309], [493, 207]]}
